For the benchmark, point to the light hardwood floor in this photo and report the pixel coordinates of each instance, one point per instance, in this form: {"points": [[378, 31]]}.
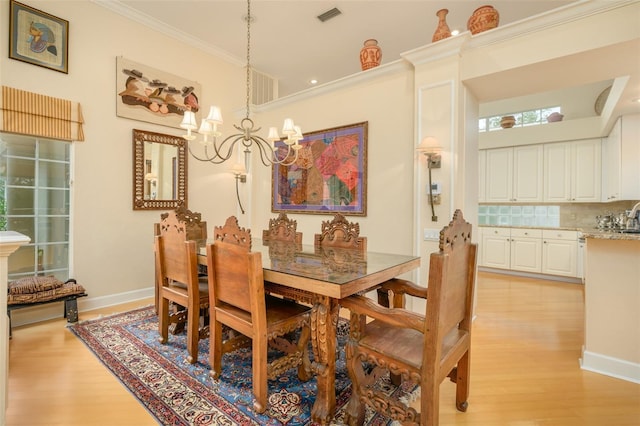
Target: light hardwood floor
{"points": [[525, 371]]}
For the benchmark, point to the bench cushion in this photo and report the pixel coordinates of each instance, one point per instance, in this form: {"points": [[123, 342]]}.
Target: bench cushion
{"points": [[66, 289], [28, 285]]}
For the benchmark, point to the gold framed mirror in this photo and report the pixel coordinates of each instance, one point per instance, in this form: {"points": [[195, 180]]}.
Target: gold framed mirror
{"points": [[159, 171]]}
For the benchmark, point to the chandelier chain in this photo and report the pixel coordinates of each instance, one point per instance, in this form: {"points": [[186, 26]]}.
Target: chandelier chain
{"points": [[248, 57], [285, 154]]}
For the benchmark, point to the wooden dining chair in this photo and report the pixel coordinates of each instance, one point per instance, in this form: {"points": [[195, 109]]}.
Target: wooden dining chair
{"points": [[339, 232], [424, 349], [282, 229], [238, 301], [283, 238], [179, 283], [196, 229]]}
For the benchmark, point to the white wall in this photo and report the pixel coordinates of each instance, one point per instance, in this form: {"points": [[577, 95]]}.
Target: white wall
{"points": [[387, 103], [112, 244]]}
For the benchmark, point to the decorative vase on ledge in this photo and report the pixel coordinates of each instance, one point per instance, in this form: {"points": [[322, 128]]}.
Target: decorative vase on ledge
{"points": [[482, 19], [370, 54], [507, 122], [442, 30]]}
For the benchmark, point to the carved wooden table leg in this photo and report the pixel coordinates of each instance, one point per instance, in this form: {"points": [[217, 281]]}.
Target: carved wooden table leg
{"points": [[324, 317]]}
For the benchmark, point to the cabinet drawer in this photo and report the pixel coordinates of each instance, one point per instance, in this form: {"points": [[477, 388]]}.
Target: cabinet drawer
{"points": [[558, 234], [496, 232], [526, 233]]}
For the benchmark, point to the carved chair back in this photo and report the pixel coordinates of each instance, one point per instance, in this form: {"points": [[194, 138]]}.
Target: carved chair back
{"points": [[339, 232], [282, 229], [196, 228], [232, 233]]}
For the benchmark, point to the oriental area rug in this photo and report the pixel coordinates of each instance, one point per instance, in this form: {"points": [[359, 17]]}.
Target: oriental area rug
{"points": [[178, 393]]}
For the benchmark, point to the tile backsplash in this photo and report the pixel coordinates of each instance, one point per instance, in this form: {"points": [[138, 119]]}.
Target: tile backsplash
{"points": [[570, 215], [501, 215]]}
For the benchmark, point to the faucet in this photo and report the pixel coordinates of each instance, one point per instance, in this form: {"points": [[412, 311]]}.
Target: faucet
{"points": [[634, 211]]}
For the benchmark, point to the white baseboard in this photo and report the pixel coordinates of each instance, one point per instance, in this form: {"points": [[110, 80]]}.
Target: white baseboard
{"points": [[610, 366], [560, 278], [56, 310]]}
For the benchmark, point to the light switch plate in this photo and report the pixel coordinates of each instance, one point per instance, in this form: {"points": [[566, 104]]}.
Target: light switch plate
{"points": [[431, 234]]}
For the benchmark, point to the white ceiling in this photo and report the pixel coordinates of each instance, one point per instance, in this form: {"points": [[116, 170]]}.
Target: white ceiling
{"points": [[289, 43]]}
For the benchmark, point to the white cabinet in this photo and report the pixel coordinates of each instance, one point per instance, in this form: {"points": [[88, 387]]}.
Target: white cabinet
{"points": [[560, 252], [573, 171], [496, 248], [512, 248], [621, 156], [547, 251], [526, 250], [514, 174]]}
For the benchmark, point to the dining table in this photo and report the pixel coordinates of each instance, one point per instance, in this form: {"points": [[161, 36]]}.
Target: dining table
{"points": [[322, 276]]}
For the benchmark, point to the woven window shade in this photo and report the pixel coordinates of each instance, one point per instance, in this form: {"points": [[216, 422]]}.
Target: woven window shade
{"points": [[28, 113]]}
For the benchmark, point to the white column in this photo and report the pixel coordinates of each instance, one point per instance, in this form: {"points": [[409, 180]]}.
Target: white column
{"points": [[9, 242]]}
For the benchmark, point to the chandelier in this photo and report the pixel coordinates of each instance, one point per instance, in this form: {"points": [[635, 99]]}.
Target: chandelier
{"points": [[217, 150]]}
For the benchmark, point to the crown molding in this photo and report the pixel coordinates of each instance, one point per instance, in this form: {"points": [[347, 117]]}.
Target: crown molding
{"points": [[122, 9], [339, 84], [455, 45]]}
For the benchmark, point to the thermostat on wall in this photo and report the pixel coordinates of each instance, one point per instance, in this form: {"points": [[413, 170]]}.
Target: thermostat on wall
{"points": [[435, 188]]}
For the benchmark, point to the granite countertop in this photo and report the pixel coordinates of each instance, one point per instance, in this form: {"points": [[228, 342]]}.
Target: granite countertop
{"points": [[605, 234], [557, 228]]}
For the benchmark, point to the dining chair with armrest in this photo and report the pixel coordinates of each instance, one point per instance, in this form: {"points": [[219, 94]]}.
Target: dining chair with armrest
{"points": [[424, 349], [238, 301], [179, 283]]}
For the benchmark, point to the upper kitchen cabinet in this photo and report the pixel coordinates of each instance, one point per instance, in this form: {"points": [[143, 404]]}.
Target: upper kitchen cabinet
{"points": [[573, 171], [621, 157], [513, 174]]}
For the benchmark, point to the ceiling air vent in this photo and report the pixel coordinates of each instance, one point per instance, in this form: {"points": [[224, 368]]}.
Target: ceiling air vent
{"points": [[332, 13]]}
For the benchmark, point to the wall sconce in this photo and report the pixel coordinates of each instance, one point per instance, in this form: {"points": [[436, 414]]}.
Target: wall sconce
{"points": [[240, 173], [431, 149]]}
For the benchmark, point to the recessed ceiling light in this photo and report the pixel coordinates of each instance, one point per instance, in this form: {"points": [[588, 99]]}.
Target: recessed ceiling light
{"points": [[313, 81], [455, 32]]}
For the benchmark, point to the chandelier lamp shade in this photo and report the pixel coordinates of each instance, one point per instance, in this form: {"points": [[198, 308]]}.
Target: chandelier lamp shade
{"points": [[217, 149]]}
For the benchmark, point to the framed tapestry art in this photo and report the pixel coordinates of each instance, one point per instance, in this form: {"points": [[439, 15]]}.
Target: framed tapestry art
{"points": [[147, 94], [38, 38], [329, 176]]}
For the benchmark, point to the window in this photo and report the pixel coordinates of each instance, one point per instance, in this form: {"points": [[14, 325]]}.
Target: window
{"points": [[35, 198], [523, 119]]}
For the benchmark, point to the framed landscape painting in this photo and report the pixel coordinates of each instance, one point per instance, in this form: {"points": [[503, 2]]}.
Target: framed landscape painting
{"points": [[38, 38], [329, 175]]}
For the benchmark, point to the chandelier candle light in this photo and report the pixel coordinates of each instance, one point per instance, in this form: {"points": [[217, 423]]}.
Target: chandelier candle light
{"points": [[223, 150]]}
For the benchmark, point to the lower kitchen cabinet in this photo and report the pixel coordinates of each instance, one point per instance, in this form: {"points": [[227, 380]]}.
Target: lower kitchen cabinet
{"points": [[531, 250], [496, 248], [526, 250], [560, 252]]}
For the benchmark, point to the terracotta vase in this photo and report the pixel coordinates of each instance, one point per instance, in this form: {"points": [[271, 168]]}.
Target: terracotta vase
{"points": [[507, 122], [482, 19], [442, 30], [370, 54]]}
